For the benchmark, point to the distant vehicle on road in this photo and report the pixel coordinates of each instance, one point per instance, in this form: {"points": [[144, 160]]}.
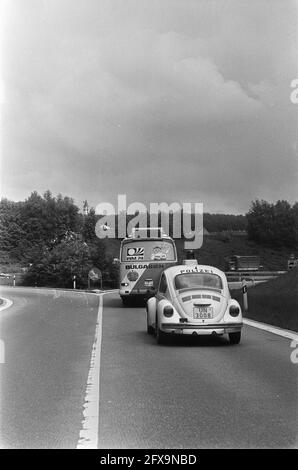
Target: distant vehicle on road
{"points": [[243, 263], [143, 256], [292, 262], [193, 299]]}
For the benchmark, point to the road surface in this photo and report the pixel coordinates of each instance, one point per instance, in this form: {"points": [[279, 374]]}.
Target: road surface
{"points": [[192, 393]]}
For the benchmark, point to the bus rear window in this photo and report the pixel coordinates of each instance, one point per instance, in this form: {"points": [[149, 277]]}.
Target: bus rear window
{"points": [[148, 250]]}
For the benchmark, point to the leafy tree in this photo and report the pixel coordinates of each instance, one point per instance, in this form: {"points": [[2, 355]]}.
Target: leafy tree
{"points": [[96, 245], [284, 224], [12, 235], [260, 220], [89, 223], [38, 222], [56, 267], [46, 219], [295, 217], [274, 224]]}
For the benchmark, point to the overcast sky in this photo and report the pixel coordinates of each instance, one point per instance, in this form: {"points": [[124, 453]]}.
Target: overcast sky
{"points": [[162, 100]]}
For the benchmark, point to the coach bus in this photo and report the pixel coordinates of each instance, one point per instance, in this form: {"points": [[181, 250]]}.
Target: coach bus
{"points": [[143, 256]]}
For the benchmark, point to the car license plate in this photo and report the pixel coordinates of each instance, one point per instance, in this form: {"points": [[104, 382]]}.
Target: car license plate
{"points": [[202, 312], [148, 283]]}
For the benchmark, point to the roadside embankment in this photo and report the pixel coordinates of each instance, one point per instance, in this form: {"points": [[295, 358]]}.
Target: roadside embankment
{"points": [[274, 302]]}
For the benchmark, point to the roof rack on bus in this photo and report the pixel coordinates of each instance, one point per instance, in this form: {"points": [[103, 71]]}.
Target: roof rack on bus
{"points": [[142, 232]]}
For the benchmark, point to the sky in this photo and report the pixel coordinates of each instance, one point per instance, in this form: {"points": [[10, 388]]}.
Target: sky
{"points": [[161, 100]]}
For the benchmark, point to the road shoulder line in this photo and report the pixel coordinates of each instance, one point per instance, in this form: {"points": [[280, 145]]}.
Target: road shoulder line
{"points": [[271, 329], [7, 303]]}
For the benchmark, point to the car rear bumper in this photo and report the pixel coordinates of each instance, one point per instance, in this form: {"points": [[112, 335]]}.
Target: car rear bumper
{"points": [[189, 329], [138, 292]]}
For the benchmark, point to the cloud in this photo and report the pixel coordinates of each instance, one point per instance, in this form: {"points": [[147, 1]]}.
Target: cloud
{"points": [[172, 100]]}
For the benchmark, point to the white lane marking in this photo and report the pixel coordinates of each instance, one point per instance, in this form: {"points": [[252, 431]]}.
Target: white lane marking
{"points": [[272, 329], [89, 434], [7, 303], [88, 438]]}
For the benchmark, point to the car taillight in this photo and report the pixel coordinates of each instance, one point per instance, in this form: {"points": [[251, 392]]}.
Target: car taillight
{"points": [[234, 311], [168, 311]]}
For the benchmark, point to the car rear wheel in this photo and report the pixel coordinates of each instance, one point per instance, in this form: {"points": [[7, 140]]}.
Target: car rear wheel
{"points": [[235, 337], [161, 337]]}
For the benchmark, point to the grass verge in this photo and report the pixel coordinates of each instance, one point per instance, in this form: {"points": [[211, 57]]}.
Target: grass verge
{"points": [[274, 302]]}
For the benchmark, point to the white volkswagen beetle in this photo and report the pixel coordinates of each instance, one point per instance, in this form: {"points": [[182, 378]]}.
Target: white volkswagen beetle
{"points": [[193, 299]]}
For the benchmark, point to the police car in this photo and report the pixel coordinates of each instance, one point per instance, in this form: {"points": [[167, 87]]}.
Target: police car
{"points": [[193, 299]]}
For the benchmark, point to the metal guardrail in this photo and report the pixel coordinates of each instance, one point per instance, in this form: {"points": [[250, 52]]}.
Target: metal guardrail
{"points": [[253, 278], [255, 273]]}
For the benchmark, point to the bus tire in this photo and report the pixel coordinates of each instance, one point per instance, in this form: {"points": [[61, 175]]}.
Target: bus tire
{"points": [[125, 300]]}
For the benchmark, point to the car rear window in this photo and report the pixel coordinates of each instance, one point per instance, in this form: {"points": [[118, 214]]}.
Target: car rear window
{"points": [[197, 280]]}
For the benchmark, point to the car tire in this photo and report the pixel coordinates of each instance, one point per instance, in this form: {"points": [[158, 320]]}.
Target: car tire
{"points": [[161, 337], [235, 337]]}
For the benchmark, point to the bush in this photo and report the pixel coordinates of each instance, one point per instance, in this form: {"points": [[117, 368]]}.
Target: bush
{"points": [[57, 267]]}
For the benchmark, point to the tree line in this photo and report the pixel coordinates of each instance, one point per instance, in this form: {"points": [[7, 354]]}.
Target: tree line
{"points": [[54, 241]]}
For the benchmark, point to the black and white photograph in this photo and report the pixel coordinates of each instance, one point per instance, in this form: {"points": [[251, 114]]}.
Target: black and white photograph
{"points": [[149, 228]]}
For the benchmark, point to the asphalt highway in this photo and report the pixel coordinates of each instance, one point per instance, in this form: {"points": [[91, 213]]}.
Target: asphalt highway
{"points": [[48, 337], [191, 393]]}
